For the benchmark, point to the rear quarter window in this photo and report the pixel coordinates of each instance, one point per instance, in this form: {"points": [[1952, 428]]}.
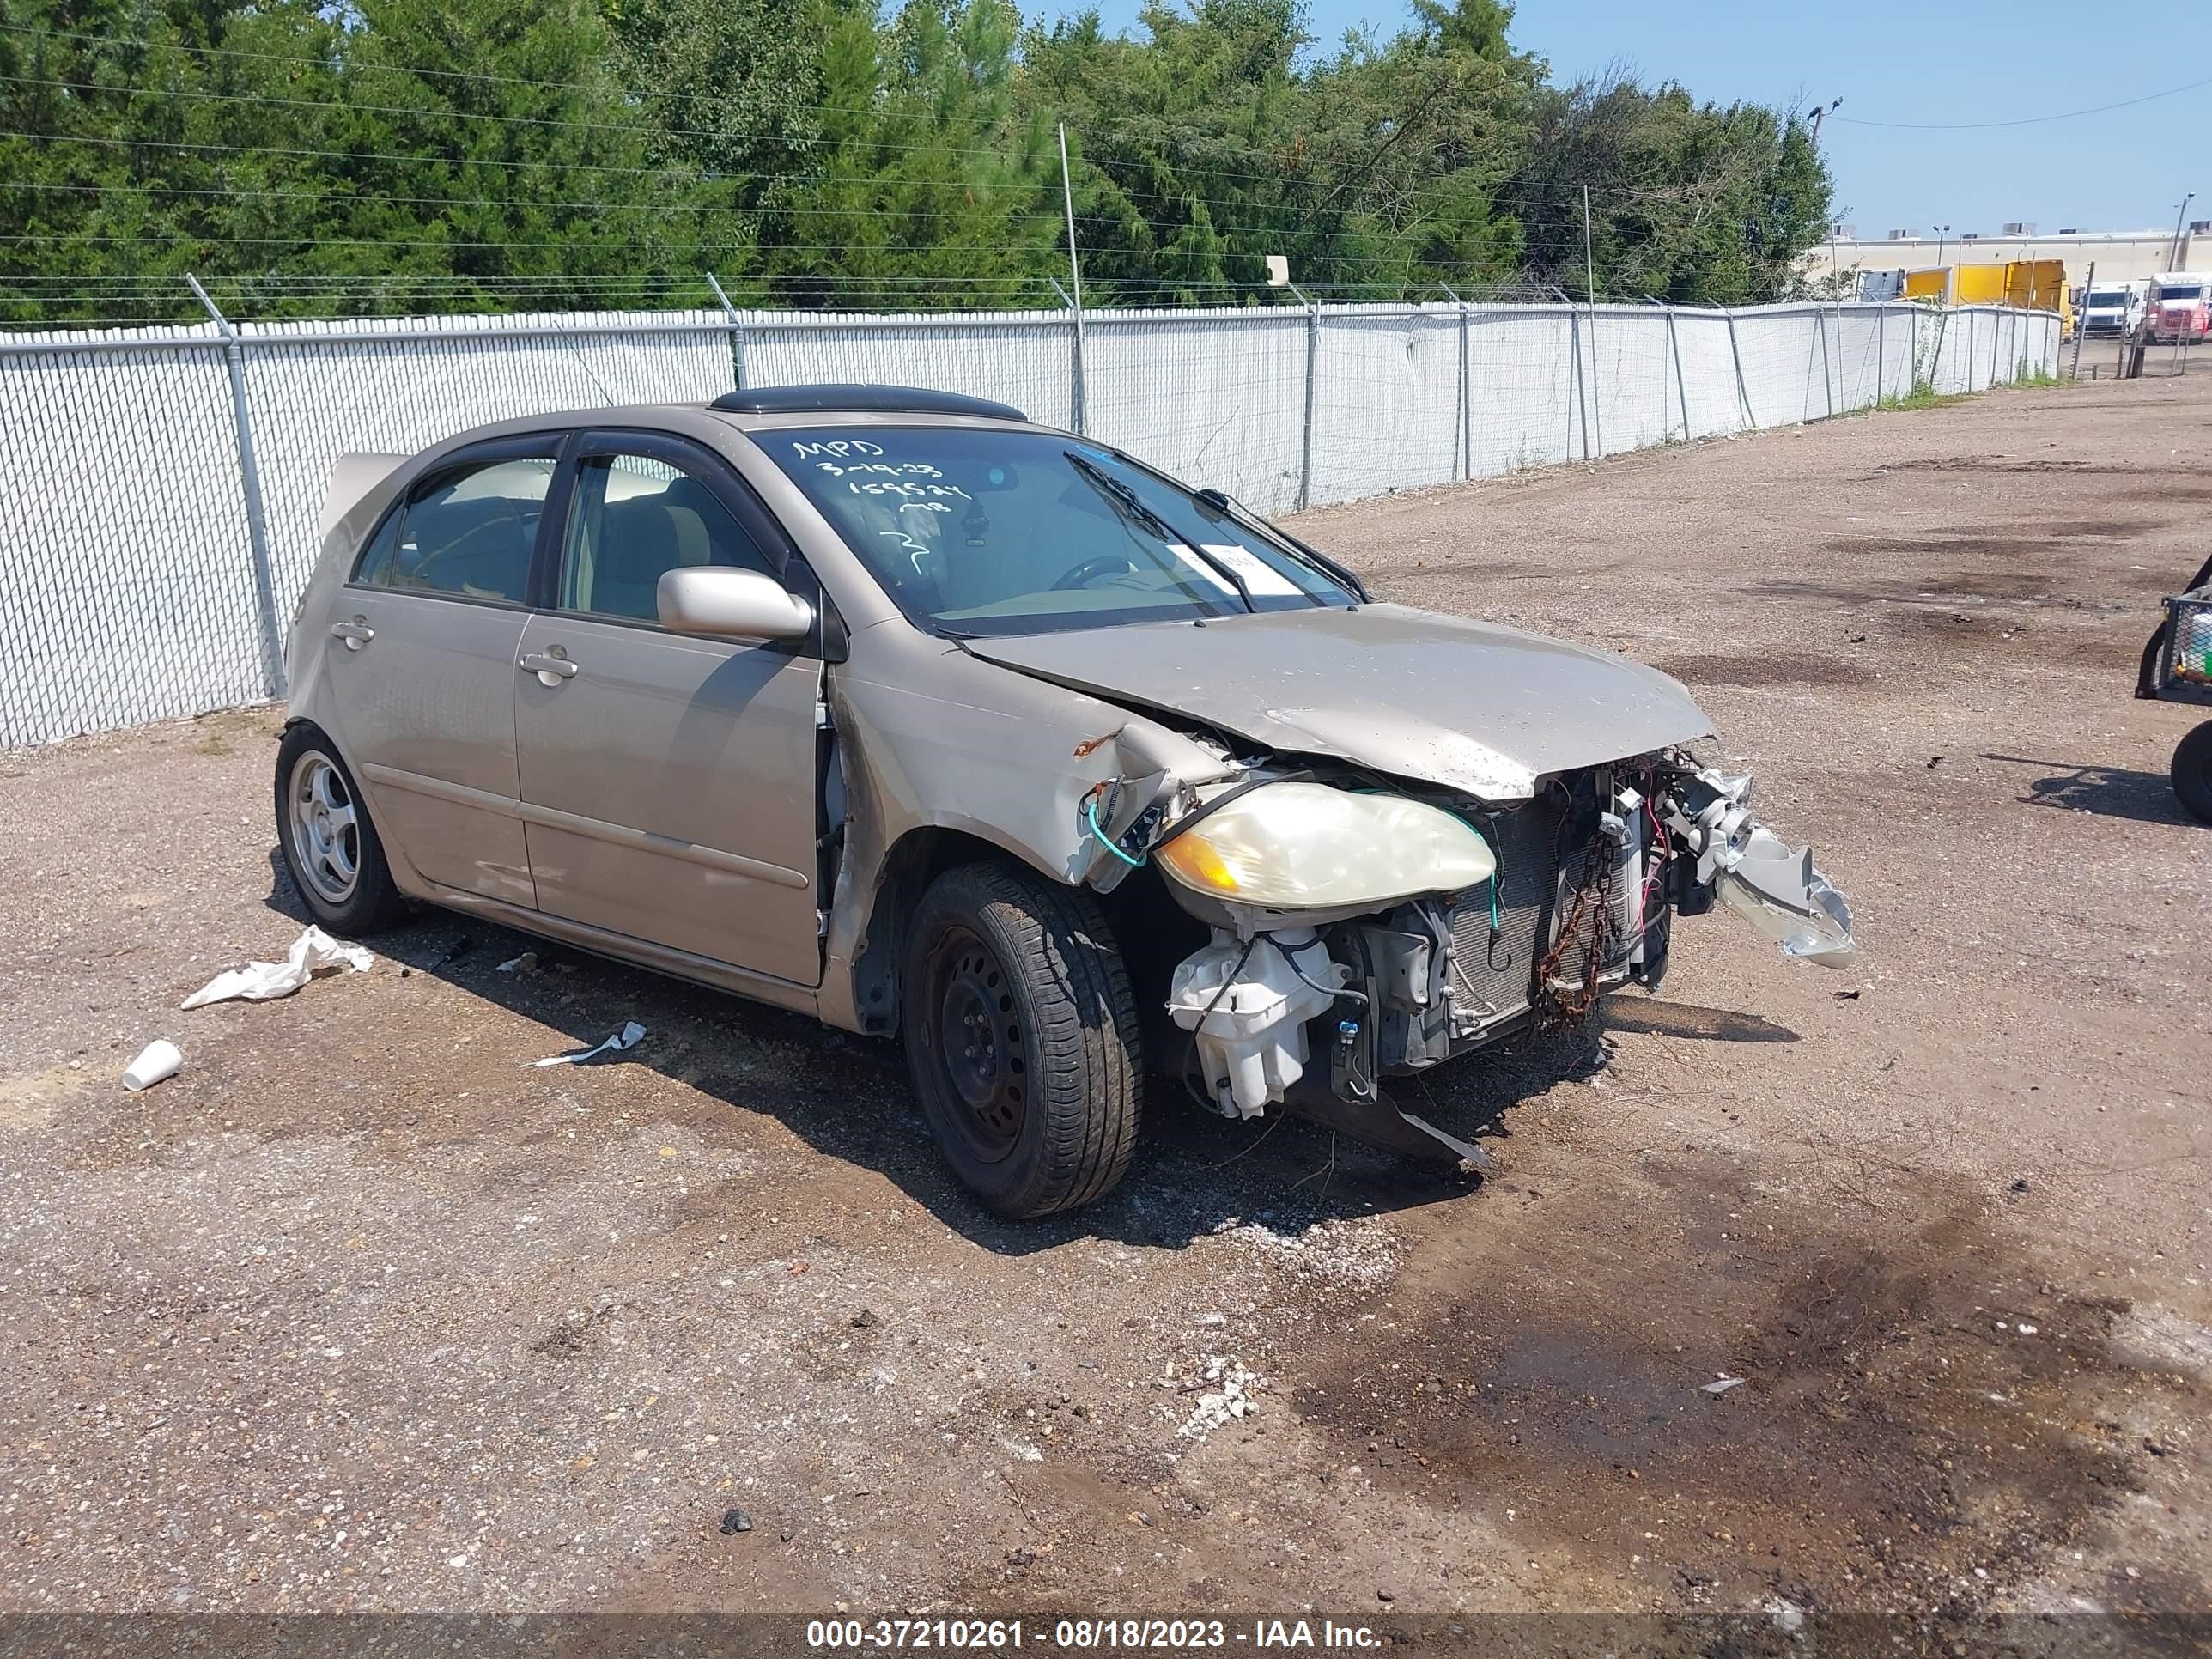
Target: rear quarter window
{"points": [[468, 533], [372, 568]]}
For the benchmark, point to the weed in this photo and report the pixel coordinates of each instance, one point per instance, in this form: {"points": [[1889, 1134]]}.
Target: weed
{"points": [[1923, 395]]}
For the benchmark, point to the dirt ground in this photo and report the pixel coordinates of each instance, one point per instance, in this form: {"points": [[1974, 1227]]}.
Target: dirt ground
{"points": [[362, 1312]]}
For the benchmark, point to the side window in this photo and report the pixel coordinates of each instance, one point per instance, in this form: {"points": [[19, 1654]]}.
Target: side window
{"points": [[635, 518], [470, 533], [374, 568]]}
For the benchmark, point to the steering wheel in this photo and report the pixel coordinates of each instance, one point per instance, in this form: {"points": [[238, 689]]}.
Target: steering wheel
{"points": [[1106, 565]]}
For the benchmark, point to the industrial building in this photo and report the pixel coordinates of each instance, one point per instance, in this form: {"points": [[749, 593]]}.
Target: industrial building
{"points": [[2119, 255]]}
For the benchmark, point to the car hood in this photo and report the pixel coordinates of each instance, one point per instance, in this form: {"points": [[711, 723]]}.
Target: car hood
{"points": [[1464, 705]]}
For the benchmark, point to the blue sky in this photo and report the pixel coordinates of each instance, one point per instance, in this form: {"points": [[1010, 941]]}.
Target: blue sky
{"points": [[1951, 61]]}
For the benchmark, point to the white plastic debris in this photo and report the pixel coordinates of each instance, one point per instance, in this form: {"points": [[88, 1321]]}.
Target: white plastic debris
{"points": [[1724, 1384], [156, 1060], [524, 963], [628, 1037], [314, 952]]}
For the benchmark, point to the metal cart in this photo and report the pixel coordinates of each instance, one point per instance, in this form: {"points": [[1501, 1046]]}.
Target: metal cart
{"points": [[2176, 667]]}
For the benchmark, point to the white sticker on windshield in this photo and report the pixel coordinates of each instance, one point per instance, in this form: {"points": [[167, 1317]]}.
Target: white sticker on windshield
{"points": [[1259, 575], [1200, 566]]}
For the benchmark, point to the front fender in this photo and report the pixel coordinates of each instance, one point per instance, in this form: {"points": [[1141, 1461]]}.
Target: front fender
{"points": [[929, 737]]}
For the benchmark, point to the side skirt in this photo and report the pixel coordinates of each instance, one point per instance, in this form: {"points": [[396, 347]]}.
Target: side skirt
{"points": [[635, 952]]}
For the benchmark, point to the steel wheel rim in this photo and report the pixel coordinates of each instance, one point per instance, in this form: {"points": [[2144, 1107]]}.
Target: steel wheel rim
{"points": [[980, 1049], [325, 828]]}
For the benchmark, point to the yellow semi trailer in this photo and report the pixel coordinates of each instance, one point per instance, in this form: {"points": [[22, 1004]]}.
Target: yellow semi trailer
{"points": [[2029, 284]]}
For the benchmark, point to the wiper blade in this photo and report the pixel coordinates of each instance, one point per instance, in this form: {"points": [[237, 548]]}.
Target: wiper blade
{"points": [[1131, 506], [1244, 518]]}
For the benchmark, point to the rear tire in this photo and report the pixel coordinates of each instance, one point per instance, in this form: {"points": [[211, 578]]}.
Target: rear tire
{"points": [[1022, 1037], [330, 847], [2192, 772]]}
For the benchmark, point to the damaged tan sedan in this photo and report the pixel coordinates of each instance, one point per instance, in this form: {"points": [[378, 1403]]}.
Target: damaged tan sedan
{"points": [[896, 709]]}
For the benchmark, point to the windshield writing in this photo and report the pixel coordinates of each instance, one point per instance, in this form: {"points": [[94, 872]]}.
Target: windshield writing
{"points": [[977, 530]]}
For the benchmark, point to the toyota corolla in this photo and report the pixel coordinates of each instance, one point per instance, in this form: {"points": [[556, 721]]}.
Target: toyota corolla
{"points": [[899, 710]]}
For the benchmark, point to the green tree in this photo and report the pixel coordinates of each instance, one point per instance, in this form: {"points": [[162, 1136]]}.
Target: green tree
{"points": [[930, 188], [1689, 202], [435, 154]]}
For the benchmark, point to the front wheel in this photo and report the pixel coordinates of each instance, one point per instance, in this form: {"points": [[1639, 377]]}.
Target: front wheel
{"points": [[2192, 772], [1021, 1033]]}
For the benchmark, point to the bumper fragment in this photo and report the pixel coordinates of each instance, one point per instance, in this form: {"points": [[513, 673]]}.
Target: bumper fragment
{"points": [[1758, 875]]}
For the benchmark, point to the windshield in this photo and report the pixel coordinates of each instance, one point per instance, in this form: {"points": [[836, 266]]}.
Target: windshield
{"points": [[976, 530], [2108, 298], [2194, 291]]}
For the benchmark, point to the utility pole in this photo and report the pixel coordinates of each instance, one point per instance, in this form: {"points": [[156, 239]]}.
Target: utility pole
{"points": [[1067, 197], [1819, 115], [1589, 277], [1079, 413], [2082, 319], [2173, 253]]}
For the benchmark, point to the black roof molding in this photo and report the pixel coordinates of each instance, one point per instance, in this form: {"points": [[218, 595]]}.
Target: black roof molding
{"points": [[853, 397]]}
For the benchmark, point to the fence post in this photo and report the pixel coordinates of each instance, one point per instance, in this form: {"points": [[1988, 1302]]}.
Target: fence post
{"points": [[1681, 391], [257, 519], [1468, 399], [1313, 351], [737, 332], [1575, 350], [1827, 374], [1076, 400], [1464, 444], [1742, 392], [1880, 353]]}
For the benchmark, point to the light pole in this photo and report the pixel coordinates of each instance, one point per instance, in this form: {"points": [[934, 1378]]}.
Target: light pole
{"points": [[1819, 115], [1941, 231], [2173, 253]]}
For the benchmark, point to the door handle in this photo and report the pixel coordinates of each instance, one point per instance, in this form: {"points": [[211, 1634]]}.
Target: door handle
{"points": [[355, 634], [550, 669]]}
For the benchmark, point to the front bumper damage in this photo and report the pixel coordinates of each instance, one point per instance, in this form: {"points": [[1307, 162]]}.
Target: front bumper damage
{"points": [[1321, 1013]]}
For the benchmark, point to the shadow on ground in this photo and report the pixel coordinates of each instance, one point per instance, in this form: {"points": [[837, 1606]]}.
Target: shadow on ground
{"points": [[2112, 791], [847, 1096]]}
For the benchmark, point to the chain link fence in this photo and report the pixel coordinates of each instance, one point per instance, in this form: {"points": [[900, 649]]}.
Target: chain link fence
{"points": [[164, 486]]}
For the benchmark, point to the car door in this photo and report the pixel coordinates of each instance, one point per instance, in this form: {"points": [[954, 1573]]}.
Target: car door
{"points": [[669, 783], [421, 664]]}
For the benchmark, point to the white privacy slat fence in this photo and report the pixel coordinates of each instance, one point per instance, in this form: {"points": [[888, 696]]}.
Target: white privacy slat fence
{"points": [[135, 585]]}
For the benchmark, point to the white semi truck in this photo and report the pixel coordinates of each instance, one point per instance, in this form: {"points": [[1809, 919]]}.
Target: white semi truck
{"points": [[2114, 308]]}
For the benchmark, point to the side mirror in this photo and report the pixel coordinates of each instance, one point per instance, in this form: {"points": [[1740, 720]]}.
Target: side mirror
{"points": [[737, 605]]}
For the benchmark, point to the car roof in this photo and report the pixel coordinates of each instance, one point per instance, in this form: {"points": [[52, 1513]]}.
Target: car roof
{"points": [[852, 396], [828, 405]]}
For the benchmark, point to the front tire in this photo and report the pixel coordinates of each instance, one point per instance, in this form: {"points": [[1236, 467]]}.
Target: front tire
{"points": [[1022, 1037], [2192, 772], [330, 847]]}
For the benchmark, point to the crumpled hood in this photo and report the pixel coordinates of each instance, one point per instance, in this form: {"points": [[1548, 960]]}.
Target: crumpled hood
{"points": [[1464, 705]]}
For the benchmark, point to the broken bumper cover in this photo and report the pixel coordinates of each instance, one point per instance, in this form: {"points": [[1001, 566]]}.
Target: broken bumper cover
{"points": [[1753, 870]]}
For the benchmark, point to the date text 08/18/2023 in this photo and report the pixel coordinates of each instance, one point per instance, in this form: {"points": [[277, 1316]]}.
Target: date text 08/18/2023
{"points": [[1113, 1635]]}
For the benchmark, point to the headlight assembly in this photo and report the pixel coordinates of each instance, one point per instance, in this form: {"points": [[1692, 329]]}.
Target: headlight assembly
{"points": [[1307, 846]]}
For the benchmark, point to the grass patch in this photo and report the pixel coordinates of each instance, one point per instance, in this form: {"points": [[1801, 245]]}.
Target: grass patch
{"points": [[1923, 396]]}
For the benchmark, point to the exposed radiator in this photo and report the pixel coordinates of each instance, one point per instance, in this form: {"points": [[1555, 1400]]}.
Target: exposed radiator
{"points": [[1495, 980]]}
